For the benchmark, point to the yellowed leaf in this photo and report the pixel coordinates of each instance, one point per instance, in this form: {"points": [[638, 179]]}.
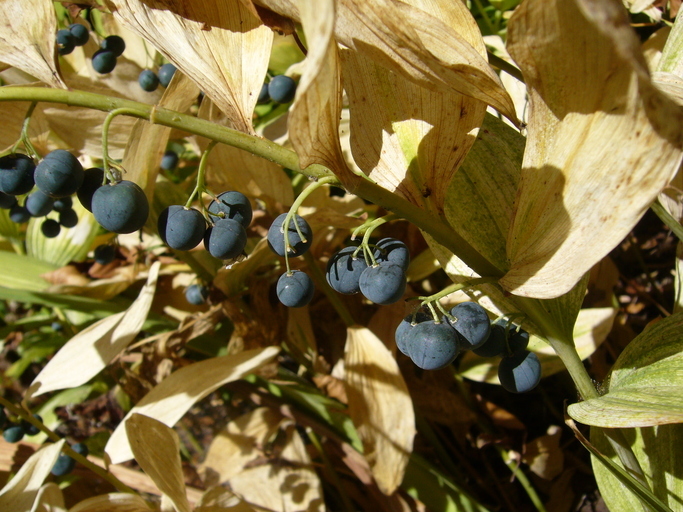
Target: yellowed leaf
{"points": [[173, 397], [157, 449], [602, 141], [243, 440], [21, 491], [113, 502], [314, 117], [379, 405], [49, 499], [12, 114], [27, 39], [91, 350], [225, 48], [220, 499], [544, 454], [287, 484]]}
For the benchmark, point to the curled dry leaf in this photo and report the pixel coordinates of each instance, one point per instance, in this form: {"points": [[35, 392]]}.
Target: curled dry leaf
{"points": [[314, 118], [380, 406], [544, 454], [173, 397], [113, 502], [602, 141], [21, 491], [27, 39], [157, 449], [436, 45], [235, 40], [92, 349]]}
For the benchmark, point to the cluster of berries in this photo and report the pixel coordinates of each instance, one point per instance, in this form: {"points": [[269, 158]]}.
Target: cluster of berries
{"points": [[120, 207], [104, 59], [15, 432], [149, 80], [433, 345], [68, 39], [382, 281]]}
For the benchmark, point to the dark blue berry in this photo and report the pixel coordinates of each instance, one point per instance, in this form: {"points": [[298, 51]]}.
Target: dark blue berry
{"points": [[59, 174], [114, 44], [39, 204], [282, 89], [80, 33], [520, 372], [13, 433], [63, 203], [295, 289], [92, 180], [165, 74], [16, 174], [406, 326], [7, 201], [383, 284], [19, 214], [232, 205], [68, 218], [344, 271], [104, 61], [180, 228], [472, 324], [169, 161], [432, 345], [226, 239], [121, 207], [50, 228], [148, 80], [263, 96], [298, 246], [391, 250], [65, 42], [30, 429], [104, 254], [196, 294], [495, 344]]}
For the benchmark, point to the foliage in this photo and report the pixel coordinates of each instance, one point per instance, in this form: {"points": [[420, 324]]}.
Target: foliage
{"points": [[502, 149]]}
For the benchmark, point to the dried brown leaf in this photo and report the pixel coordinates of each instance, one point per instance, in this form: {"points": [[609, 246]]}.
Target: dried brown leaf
{"points": [[20, 492], [314, 117], [91, 350], [157, 449], [380, 406], [114, 502], [224, 48], [602, 141], [173, 397], [27, 39], [544, 454]]}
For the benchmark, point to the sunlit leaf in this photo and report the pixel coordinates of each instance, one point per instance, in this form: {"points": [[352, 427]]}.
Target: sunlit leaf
{"points": [[286, 484], [13, 113], [379, 405], [27, 39], [114, 502], [314, 117], [602, 141], [174, 396], [157, 449], [236, 41], [242, 441], [21, 491], [646, 385], [91, 350], [23, 272], [49, 499], [220, 499], [71, 244]]}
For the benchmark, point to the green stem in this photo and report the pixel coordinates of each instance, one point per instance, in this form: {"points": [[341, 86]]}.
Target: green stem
{"points": [[24, 138], [369, 226], [106, 162], [521, 477], [470, 283], [667, 219], [201, 172], [427, 221], [27, 416], [504, 65]]}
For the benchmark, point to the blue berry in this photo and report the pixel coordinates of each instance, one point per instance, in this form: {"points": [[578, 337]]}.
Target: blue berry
{"points": [[19, 214], [295, 289], [169, 161], [7, 201], [65, 42], [59, 174], [92, 180], [104, 254], [520, 372], [432, 345], [391, 250], [62, 204], [472, 324], [16, 174], [282, 89], [383, 284], [121, 207], [29, 429], [104, 61], [13, 433], [68, 218], [196, 294], [226, 240], [63, 465], [165, 74], [80, 33], [114, 44], [180, 228], [298, 246], [406, 326], [495, 345], [263, 96], [148, 80], [232, 205], [344, 271], [50, 228], [39, 204]]}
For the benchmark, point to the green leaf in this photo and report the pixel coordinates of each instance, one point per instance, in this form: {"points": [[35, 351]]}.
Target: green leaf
{"points": [[646, 386], [22, 272], [61, 301]]}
